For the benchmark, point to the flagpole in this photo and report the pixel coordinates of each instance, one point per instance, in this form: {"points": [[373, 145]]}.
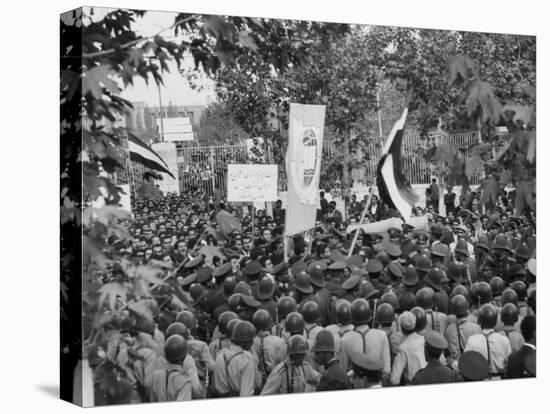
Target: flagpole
{"points": [[363, 214]]}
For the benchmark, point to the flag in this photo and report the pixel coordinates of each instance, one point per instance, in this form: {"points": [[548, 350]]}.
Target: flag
{"points": [[303, 166], [228, 223], [139, 152], [393, 187]]}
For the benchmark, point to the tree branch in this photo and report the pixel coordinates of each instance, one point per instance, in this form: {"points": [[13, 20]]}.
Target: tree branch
{"points": [[129, 44]]}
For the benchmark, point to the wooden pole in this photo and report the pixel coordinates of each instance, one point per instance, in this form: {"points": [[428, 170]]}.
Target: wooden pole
{"points": [[363, 214]]}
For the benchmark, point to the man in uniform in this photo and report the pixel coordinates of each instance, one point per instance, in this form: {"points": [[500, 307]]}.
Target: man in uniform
{"points": [[334, 377], [311, 313], [269, 349], [372, 342], [434, 372], [517, 360], [293, 375], [235, 373], [437, 321], [459, 328], [494, 347], [170, 383], [366, 372]]}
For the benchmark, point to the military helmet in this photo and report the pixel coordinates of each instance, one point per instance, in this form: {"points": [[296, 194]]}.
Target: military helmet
{"points": [[391, 298], [459, 305], [509, 296], [424, 298], [297, 344], [230, 326], [262, 320], [461, 290], [497, 285], [482, 292], [509, 314], [385, 314], [294, 323], [177, 328], [187, 318], [360, 311], [343, 312], [421, 319], [487, 317], [223, 319], [520, 288], [175, 348], [285, 305], [324, 341], [311, 312], [234, 302], [243, 331]]}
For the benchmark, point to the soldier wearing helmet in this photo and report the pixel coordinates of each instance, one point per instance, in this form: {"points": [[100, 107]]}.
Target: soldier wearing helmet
{"points": [[372, 342], [437, 321], [269, 349], [236, 372], [334, 377], [459, 328], [170, 383], [285, 306], [189, 365], [293, 375], [222, 341], [494, 347], [312, 314], [509, 317], [198, 349], [343, 324], [384, 320], [264, 295]]}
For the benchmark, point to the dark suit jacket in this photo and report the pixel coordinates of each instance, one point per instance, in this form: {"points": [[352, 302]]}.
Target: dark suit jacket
{"points": [[516, 363]]}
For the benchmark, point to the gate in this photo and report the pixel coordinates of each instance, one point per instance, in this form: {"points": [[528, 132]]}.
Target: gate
{"points": [[206, 167]]}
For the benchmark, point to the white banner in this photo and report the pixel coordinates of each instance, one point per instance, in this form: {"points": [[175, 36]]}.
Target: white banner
{"points": [[251, 182]]}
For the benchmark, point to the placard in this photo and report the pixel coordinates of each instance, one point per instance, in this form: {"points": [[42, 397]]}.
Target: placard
{"points": [[251, 182]]}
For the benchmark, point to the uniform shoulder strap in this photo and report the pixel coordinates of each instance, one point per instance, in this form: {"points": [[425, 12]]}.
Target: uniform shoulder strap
{"points": [[227, 362], [363, 337]]}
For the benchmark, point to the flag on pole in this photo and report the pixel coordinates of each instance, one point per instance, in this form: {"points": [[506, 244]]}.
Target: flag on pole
{"points": [[393, 187], [303, 166], [139, 152]]}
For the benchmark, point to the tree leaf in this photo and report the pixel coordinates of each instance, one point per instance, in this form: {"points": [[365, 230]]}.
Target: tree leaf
{"points": [[247, 41], [110, 291], [97, 78], [522, 115]]}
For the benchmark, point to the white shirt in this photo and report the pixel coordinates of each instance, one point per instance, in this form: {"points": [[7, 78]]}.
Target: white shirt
{"points": [[499, 349]]}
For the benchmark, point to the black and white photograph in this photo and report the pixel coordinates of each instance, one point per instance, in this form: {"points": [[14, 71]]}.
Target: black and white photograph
{"points": [[256, 206]]}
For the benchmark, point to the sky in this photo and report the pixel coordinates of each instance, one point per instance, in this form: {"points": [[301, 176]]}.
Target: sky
{"points": [[176, 88]]}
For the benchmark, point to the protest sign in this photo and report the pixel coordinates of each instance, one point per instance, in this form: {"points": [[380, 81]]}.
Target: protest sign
{"points": [[251, 182]]}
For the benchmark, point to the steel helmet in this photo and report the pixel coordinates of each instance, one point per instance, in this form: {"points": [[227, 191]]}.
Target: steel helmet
{"points": [[294, 323], [483, 293], [187, 318], [509, 314], [223, 319], [421, 319], [487, 317], [459, 305], [461, 290], [497, 285], [324, 341], [243, 331], [229, 327], [144, 324], [457, 271], [311, 312], [509, 296], [385, 314], [297, 344], [360, 311], [391, 298], [266, 288], [343, 312], [285, 305], [423, 264], [243, 288], [262, 320], [175, 348], [303, 283], [177, 328], [424, 298], [520, 288]]}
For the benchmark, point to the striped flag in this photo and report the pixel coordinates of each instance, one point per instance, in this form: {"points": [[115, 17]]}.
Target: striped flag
{"points": [[139, 152], [394, 188]]}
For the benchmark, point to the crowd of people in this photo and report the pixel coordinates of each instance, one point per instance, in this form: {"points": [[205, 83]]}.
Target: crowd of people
{"points": [[239, 316]]}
